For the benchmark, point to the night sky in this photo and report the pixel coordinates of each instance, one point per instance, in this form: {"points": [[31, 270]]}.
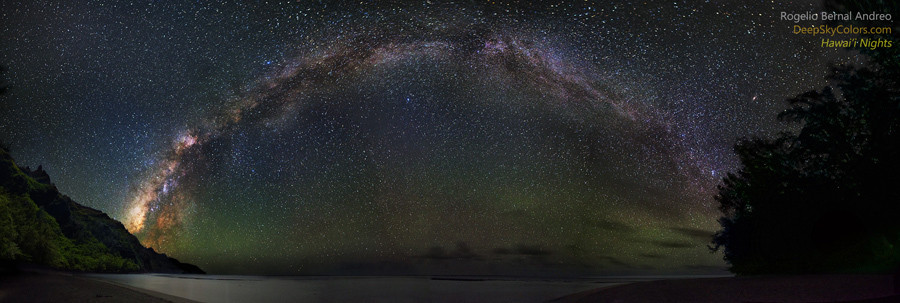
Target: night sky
{"points": [[480, 137]]}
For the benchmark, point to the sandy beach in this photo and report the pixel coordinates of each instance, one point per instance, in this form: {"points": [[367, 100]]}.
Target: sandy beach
{"points": [[388, 289], [49, 286], [824, 288], [64, 287]]}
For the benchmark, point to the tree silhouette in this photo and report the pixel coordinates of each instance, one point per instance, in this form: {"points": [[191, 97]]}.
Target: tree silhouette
{"points": [[824, 199]]}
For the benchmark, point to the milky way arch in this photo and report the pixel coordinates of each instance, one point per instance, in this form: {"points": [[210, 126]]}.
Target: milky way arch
{"points": [[157, 204]]}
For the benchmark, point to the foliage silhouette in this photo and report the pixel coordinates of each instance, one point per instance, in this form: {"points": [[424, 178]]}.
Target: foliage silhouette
{"points": [[824, 199], [38, 225]]}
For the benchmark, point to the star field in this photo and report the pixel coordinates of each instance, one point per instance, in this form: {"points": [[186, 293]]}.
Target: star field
{"points": [[465, 138]]}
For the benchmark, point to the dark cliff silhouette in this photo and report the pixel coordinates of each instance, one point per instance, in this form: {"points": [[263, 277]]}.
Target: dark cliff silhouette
{"points": [[41, 226]]}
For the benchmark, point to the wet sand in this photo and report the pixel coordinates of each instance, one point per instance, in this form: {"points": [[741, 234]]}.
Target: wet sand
{"points": [[825, 288], [393, 289], [64, 287]]}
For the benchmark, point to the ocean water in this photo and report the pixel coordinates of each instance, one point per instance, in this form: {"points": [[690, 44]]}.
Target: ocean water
{"points": [[212, 288]]}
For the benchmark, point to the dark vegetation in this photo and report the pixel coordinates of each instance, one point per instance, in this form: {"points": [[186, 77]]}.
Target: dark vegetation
{"points": [[825, 199], [38, 225]]}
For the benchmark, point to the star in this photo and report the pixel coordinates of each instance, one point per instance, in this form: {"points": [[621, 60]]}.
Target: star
{"points": [[299, 137]]}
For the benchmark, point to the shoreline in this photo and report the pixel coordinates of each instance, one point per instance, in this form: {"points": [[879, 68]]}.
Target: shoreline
{"points": [[801, 288], [51, 286], [152, 293]]}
